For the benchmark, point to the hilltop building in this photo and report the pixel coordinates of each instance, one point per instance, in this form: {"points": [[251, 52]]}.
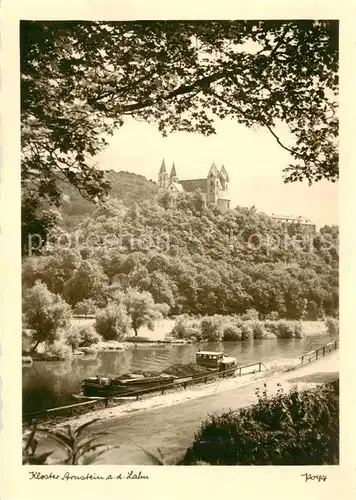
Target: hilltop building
{"points": [[214, 187], [294, 224]]}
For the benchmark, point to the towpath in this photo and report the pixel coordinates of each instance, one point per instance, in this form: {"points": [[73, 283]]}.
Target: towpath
{"points": [[172, 423]]}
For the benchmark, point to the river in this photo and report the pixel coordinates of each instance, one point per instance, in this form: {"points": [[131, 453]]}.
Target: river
{"points": [[51, 384]]}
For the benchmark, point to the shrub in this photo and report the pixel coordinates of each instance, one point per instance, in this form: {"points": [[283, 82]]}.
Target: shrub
{"points": [[297, 428], [113, 322], [89, 336], [231, 333], [185, 328], [332, 325], [246, 331], [298, 330], [163, 308], [285, 330], [82, 336], [59, 349], [258, 330], [85, 307], [271, 326], [250, 314], [211, 328], [73, 338]]}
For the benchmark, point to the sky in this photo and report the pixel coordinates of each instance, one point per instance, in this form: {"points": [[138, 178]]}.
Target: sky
{"points": [[252, 158]]}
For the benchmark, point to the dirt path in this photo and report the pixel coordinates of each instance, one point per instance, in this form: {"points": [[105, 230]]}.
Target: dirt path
{"points": [[169, 422]]}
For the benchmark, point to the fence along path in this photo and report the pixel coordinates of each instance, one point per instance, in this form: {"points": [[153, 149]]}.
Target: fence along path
{"points": [[179, 382], [318, 353], [182, 382]]}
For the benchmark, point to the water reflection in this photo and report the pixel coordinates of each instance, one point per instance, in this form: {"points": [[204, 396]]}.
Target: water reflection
{"points": [[49, 384]]}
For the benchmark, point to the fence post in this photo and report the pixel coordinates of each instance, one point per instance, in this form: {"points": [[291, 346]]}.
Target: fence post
{"points": [[316, 354], [259, 366], [106, 402], [185, 385], [205, 380], [162, 390], [323, 350], [240, 372]]}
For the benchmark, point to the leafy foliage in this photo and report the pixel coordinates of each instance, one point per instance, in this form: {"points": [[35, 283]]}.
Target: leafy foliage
{"points": [[182, 75], [332, 325], [232, 328], [198, 264], [45, 312], [79, 449], [297, 428], [113, 322], [85, 307], [82, 336], [142, 309]]}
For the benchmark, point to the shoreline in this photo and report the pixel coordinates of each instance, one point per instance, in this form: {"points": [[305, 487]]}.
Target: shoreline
{"points": [[292, 376], [171, 397], [155, 338]]}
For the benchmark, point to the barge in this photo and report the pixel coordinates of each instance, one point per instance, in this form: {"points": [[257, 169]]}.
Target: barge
{"points": [[106, 386]]}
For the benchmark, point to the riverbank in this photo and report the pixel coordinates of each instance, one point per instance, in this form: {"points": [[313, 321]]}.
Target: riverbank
{"points": [[164, 327], [161, 335], [170, 422], [293, 374]]}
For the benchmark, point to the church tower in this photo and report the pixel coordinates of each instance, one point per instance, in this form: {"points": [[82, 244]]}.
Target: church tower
{"points": [[173, 175], [163, 176], [223, 201], [213, 185], [224, 178]]}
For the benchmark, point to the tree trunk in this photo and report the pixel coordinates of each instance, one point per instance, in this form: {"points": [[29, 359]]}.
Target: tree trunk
{"points": [[34, 348], [135, 330]]}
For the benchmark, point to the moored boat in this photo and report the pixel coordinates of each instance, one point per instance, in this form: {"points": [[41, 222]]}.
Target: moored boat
{"points": [[106, 386], [215, 360]]}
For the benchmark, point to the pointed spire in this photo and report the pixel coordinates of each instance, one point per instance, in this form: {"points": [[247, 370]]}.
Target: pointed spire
{"points": [[173, 172], [213, 169], [223, 173], [163, 167]]}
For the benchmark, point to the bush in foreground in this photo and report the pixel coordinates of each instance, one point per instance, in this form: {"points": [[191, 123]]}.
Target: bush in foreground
{"points": [[297, 428]]}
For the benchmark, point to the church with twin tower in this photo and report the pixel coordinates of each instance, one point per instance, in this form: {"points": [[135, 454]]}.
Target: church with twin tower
{"points": [[214, 187]]}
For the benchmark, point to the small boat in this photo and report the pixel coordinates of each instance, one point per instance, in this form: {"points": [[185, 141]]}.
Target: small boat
{"points": [[106, 386], [216, 360]]}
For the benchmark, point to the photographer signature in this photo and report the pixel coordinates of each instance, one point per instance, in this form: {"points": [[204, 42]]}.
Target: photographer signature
{"points": [[312, 477]]}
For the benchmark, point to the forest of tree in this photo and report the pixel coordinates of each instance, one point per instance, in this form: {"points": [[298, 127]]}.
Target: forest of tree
{"points": [[192, 258]]}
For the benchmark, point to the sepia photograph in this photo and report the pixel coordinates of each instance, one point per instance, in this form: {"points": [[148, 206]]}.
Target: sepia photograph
{"points": [[180, 242]]}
